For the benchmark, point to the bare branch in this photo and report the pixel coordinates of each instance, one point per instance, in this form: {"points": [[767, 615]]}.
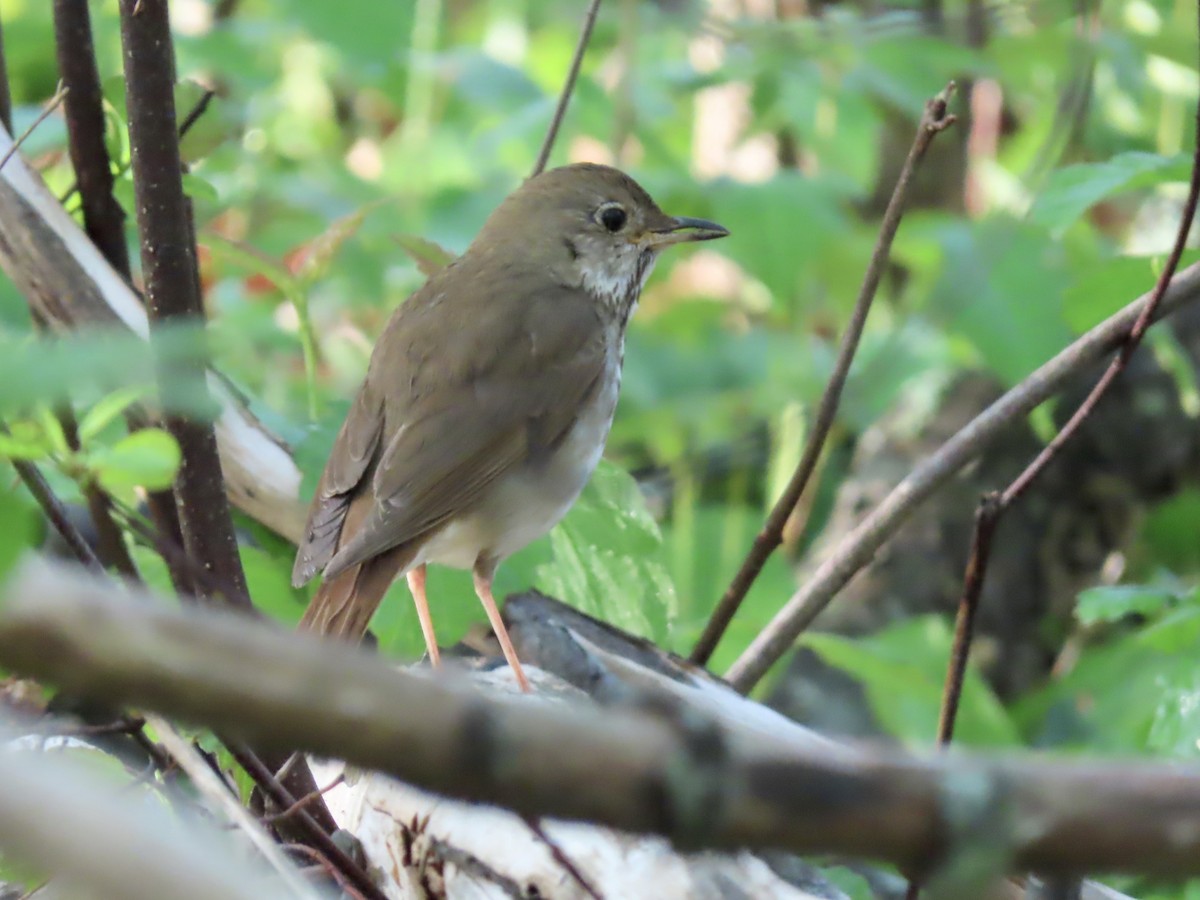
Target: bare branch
{"points": [[31, 476], [42, 116], [933, 122], [585, 35], [993, 507], [858, 547], [701, 785], [5, 93], [172, 284]]}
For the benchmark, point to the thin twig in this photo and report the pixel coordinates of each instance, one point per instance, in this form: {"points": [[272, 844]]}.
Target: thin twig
{"points": [[304, 801], [59, 94], [560, 856], [218, 794], [329, 868], [585, 35], [37, 485], [933, 122], [5, 93], [103, 217], [318, 841], [470, 864], [185, 126]]}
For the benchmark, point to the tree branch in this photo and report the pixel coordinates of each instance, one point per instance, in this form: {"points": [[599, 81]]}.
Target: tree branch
{"points": [[933, 122], [858, 547], [585, 35], [169, 267], [696, 782], [5, 93], [993, 507]]}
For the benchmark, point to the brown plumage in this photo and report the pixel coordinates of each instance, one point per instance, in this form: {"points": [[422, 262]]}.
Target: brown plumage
{"points": [[487, 400]]}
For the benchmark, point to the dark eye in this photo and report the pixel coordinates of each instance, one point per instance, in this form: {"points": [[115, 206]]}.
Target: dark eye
{"points": [[612, 217]]}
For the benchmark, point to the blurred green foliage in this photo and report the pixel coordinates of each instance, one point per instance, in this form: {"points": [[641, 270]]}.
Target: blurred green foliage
{"points": [[348, 139]]}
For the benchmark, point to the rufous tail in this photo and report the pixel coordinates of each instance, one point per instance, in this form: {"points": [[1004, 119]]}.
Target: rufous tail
{"points": [[343, 605]]}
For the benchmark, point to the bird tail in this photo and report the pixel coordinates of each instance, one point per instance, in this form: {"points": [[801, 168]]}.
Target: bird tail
{"points": [[343, 605]]}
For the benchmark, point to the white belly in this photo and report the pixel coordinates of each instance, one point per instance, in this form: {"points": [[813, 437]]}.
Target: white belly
{"points": [[528, 502]]}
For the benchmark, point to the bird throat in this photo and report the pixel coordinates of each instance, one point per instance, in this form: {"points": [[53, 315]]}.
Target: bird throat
{"points": [[617, 282]]}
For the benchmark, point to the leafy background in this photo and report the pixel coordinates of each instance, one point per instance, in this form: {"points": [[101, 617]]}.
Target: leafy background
{"points": [[346, 135]]}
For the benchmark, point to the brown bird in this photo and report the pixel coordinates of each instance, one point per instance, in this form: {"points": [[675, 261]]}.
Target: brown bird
{"points": [[488, 399]]}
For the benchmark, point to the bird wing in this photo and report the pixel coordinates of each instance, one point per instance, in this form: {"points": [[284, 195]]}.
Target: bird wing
{"points": [[487, 390], [354, 451]]}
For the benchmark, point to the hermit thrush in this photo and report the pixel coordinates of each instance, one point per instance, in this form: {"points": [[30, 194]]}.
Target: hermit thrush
{"points": [[488, 399]]}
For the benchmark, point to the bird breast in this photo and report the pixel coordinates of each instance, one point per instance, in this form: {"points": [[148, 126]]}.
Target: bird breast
{"points": [[530, 500]]}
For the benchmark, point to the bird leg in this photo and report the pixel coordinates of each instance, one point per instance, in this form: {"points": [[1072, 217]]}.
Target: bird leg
{"points": [[416, 584], [483, 589]]}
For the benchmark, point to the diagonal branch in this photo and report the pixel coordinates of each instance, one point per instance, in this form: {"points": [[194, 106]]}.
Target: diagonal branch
{"points": [[933, 122], [994, 506], [701, 782], [860, 545], [585, 35]]}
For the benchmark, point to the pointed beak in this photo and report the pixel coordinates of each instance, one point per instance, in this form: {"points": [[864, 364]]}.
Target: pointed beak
{"points": [[683, 229]]}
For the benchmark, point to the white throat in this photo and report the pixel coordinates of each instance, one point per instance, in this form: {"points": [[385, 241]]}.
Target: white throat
{"points": [[617, 280]]}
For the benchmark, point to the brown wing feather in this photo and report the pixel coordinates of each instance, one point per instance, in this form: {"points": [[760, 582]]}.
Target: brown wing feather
{"points": [[355, 451], [442, 465]]}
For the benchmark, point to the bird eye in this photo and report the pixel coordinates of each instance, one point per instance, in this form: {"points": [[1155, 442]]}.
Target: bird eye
{"points": [[612, 216]]}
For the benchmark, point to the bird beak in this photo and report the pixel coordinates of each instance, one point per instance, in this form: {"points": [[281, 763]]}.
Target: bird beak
{"points": [[683, 229]]}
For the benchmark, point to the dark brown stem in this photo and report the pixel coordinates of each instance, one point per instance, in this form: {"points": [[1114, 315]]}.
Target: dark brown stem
{"points": [[37, 485], [5, 93], [305, 801], [318, 840], [49, 108], [585, 35], [986, 517], [110, 543], [169, 267], [560, 856], [934, 121], [103, 217]]}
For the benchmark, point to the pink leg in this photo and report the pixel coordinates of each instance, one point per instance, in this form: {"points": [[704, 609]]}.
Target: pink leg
{"points": [[483, 587], [416, 584]]}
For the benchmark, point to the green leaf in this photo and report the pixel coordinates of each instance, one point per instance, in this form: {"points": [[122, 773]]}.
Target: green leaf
{"points": [[1001, 288], [270, 585], [1072, 190], [253, 260], [108, 409], [1103, 289], [148, 458], [1115, 602], [19, 528], [198, 188], [608, 558], [903, 669], [25, 446]]}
